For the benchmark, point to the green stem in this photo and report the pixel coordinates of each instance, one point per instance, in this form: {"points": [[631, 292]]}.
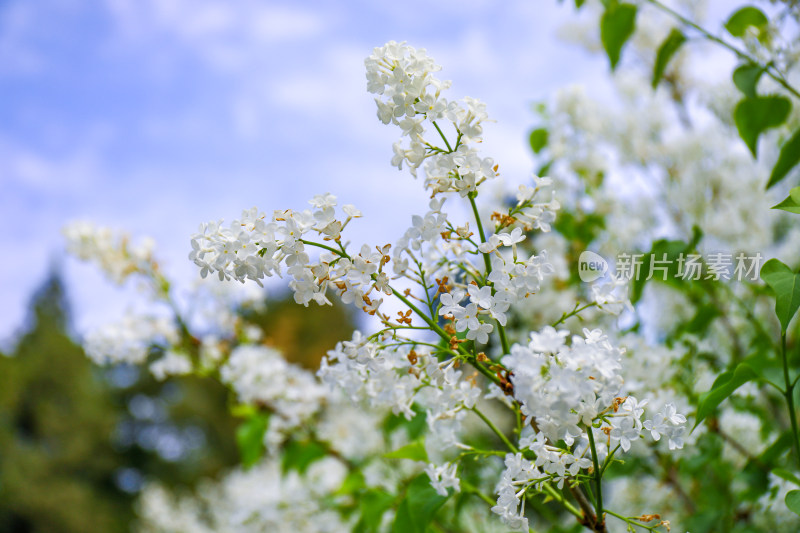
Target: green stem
{"points": [[501, 331], [607, 462], [546, 487], [631, 522], [472, 489], [789, 395], [496, 431], [425, 288], [598, 475], [572, 313], [433, 325], [325, 247], [768, 69], [435, 125], [487, 262], [439, 331]]}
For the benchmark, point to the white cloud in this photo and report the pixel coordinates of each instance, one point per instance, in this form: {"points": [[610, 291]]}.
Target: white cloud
{"points": [[18, 23], [227, 35], [33, 172]]}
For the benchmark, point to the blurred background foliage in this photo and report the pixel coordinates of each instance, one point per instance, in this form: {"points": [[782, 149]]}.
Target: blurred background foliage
{"points": [[77, 442]]}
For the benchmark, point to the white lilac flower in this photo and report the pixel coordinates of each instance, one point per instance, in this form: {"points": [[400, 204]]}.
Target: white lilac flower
{"points": [[261, 376], [130, 339], [263, 498], [443, 477], [171, 363], [113, 252], [668, 423]]}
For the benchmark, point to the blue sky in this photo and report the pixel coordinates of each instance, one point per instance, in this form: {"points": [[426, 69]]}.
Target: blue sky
{"points": [[156, 115]]}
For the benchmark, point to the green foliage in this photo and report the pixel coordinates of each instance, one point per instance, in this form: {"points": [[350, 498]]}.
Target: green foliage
{"points": [[793, 501], [538, 139], [744, 18], [414, 427], [664, 250], [353, 483], [68, 429], [616, 27], [581, 228], [372, 506], [791, 203], [788, 158], [668, 48], [57, 464], [786, 285], [753, 116], [723, 386], [755, 473], [298, 455], [250, 438], [788, 476], [766, 368], [419, 506], [414, 451], [746, 77]]}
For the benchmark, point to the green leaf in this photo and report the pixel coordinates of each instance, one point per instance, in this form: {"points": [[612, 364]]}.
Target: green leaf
{"points": [[299, 455], [786, 285], [755, 115], [545, 169], [787, 475], [791, 203], [372, 504], [766, 368], [538, 139], [744, 18], [793, 501], [616, 27], [243, 410], [746, 77], [579, 3], [580, 227], [665, 52], [250, 438], [723, 387], [414, 427], [353, 483], [414, 451], [419, 506], [788, 158], [775, 450], [662, 249], [702, 319]]}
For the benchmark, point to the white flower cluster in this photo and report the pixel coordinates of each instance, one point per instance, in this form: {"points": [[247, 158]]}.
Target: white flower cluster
{"points": [[562, 385], [511, 282], [443, 477], [611, 296], [564, 390], [130, 339], [569, 394], [253, 501], [409, 95], [536, 206], [172, 363], [113, 253], [397, 377], [254, 248], [261, 376]]}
